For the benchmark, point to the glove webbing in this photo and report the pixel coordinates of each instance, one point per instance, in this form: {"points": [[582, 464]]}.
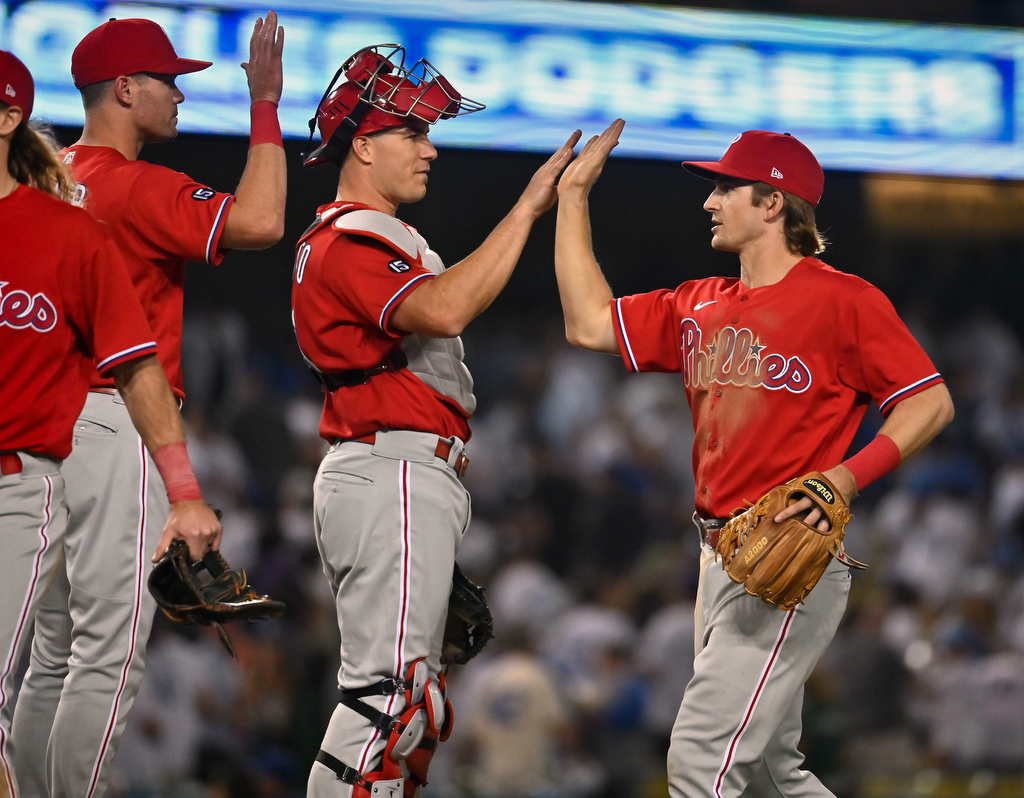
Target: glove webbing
{"points": [[380, 720], [346, 773]]}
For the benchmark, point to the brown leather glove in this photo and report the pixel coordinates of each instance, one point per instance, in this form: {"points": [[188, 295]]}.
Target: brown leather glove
{"points": [[781, 563]]}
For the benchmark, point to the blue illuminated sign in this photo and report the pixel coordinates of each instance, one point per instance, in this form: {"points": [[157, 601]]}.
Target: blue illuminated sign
{"points": [[863, 95]]}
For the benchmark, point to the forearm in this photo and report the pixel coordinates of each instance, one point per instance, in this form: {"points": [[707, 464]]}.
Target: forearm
{"points": [[150, 402], [256, 218], [916, 420], [444, 306], [911, 425], [585, 294]]}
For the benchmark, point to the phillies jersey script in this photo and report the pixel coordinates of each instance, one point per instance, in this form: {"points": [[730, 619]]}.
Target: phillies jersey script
{"points": [[63, 299], [159, 218], [772, 397], [352, 268]]}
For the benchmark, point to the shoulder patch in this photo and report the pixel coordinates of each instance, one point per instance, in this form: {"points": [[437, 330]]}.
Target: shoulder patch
{"points": [[399, 266], [203, 194]]}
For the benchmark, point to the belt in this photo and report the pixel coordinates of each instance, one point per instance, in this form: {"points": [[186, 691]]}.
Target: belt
{"points": [[442, 450], [109, 391], [10, 463], [709, 529]]}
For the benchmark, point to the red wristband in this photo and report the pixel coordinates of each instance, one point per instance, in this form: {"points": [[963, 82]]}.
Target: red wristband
{"points": [[265, 128], [173, 464], [874, 461]]}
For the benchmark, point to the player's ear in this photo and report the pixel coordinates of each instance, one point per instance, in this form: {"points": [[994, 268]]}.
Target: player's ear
{"points": [[773, 205], [124, 89], [362, 149]]}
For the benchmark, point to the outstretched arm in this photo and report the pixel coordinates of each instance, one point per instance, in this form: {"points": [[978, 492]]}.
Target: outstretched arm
{"points": [[256, 217], [154, 412], [441, 308], [586, 296]]}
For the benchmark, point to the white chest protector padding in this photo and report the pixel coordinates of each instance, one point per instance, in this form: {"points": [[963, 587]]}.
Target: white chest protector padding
{"points": [[436, 361]]}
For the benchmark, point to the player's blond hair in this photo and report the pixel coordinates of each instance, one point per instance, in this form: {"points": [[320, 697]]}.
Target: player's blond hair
{"points": [[33, 159], [802, 236]]}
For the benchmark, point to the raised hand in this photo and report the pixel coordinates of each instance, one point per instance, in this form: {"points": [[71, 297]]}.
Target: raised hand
{"points": [[582, 173], [540, 192], [263, 69]]}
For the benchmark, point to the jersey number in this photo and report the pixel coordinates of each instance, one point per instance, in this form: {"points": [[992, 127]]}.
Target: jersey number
{"points": [[300, 261]]}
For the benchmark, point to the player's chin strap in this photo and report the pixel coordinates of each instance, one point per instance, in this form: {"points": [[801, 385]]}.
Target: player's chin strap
{"points": [[413, 734]]}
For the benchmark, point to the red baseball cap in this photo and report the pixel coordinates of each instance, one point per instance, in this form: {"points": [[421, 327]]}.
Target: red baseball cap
{"points": [[16, 84], [125, 47], [777, 159]]}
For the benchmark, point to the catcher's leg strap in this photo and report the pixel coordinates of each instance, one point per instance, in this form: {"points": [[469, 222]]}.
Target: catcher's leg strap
{"points": [[373, 785], [413, 734], [421, 693]]}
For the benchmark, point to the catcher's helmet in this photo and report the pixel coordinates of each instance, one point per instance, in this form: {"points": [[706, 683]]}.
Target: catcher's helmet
{"points": [[378, 94]]}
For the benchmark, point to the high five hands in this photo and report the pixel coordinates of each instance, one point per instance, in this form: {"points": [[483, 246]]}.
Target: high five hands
{"points": [[540, 194], [579, 175], [583, 172]]}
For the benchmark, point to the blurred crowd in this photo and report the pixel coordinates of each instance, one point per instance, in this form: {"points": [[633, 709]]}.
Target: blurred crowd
{"points": [[582, 496]]}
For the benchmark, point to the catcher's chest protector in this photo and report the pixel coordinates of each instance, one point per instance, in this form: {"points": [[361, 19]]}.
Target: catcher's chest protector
{"points": [[413, 735], [438, 362]]}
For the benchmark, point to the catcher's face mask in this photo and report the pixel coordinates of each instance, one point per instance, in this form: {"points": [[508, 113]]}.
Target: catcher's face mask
{"points": [[380, 93]]}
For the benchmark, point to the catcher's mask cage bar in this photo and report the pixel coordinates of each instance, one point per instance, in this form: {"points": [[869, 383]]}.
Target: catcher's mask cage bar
{"points": [[421, 92]]}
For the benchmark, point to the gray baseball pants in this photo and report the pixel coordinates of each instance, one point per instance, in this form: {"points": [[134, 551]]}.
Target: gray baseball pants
{"points": [[88, 654], [33, 518], [739, 722], [389, 518]]}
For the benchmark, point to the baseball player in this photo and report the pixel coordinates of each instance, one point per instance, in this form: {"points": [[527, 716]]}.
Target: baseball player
{"points": [[91, 631], [779, 365], [377, 316], [67, 308]]}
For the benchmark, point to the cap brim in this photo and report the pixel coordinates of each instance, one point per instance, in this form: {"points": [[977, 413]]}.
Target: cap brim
{"points": [[180, 66], [712, 170]]}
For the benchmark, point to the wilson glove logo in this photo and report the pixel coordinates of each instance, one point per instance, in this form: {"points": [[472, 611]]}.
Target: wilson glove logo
{"points": [[399, 266], [821, 489], [20, 310]]}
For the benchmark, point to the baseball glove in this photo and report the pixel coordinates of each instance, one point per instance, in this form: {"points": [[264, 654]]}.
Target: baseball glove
{"points": [[781, 563], [469, 625], [226, 596]]}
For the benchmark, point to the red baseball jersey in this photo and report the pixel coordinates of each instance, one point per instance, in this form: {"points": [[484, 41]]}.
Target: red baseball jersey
{"points": [[344, 289], [66, 303], [777, 377], [160, 219]]}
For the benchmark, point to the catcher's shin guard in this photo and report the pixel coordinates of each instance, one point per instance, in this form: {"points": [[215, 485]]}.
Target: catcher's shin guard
{"points": [[413, 734]]}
